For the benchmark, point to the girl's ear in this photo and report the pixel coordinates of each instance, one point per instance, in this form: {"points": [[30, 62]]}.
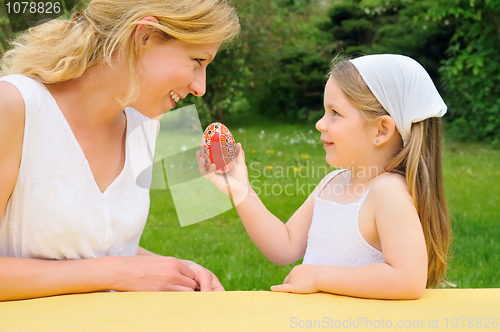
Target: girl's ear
{"points": [[386, 128], [140, 37]]}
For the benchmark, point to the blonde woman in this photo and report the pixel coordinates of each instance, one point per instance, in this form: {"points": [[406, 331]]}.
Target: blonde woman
{"points": [[71, 95]]}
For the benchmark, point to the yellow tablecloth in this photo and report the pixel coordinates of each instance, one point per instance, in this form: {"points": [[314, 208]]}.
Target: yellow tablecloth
{"points": [[437, 310]]}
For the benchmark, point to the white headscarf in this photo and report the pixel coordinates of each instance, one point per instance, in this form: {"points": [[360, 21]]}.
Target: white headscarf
{"points": [[403, 88]]}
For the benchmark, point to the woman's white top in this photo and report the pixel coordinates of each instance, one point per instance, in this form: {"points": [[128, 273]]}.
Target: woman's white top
{"points": [[334, 237], [56, 210]]}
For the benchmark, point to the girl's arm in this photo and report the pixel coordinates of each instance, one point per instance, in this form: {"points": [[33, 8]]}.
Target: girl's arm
{"points": [[281, 243], [404, 273]]}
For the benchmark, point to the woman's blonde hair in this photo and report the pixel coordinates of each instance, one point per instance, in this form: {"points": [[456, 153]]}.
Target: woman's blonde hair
{"points": [[62, 50], [419, 161]]}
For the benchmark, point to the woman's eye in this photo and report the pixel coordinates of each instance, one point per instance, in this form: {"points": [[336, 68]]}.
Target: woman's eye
{"points": [[199, 61]]}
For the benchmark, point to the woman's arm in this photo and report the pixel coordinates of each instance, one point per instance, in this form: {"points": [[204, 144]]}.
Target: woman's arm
{"points": [[281, 243], [403, 275], [206, 280], [22, 278]]}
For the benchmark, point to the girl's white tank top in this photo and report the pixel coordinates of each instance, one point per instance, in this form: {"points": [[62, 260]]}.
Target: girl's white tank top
{"points": [[334, 237], [56, 210]]}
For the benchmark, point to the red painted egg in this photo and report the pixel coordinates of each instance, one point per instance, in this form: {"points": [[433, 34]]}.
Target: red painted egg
{"points": [[218, 147]]}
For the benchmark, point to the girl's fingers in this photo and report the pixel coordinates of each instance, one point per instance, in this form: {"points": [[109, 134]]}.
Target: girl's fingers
{"points": [[286, 288], [201, 165], [240, 157]]}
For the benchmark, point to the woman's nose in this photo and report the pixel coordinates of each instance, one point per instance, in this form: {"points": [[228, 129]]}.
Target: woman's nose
{"points": [[198, 86]]}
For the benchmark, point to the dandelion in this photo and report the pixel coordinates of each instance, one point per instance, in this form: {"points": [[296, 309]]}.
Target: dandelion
{"points": [[280, 153], [253, 151], [304, 156], [270, 167], [184, 148], [262, 132], [270, 151], [296, 169]]}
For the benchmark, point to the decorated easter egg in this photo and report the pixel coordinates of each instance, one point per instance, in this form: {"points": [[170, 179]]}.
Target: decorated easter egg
{"points": [[218, 147]]}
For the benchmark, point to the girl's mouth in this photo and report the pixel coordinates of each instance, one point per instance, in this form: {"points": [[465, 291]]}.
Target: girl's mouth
{"points": [[327, 144]]}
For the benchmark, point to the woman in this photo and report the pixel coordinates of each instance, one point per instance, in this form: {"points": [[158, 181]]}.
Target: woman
{"points": [[69, 154]]}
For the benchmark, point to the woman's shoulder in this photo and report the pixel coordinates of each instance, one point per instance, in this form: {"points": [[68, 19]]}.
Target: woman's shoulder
{"points": [[28, 89], [11, 138], [19, 80], [11, 103]]}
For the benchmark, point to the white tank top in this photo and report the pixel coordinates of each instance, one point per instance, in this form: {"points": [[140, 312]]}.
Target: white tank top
{"points": [[56, 210], [334, 237]]}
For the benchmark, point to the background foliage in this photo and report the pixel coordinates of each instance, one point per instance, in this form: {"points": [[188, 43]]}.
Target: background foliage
{"points": [[278, 64], [276, 70]]}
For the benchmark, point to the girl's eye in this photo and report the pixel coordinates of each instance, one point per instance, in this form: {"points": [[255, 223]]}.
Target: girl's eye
{"points": [[335, 112]]}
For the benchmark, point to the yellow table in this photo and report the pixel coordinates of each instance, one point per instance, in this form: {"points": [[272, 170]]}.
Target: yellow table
{"points": [[437, 310]]}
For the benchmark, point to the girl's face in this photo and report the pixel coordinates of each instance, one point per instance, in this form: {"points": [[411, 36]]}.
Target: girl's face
{"points": [[343, 129], [169, 71]]}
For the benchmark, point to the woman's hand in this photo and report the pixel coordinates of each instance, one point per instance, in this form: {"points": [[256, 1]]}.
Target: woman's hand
{"points": [[237, 177], [154, 273], [299, 280], [206, 280]]}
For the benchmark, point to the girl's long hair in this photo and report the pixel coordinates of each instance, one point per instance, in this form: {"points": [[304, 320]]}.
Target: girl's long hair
{"points": [[419, 161], [62, 50]]}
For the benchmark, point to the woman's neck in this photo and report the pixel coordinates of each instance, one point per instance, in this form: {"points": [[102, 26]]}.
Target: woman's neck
{"points": [[91, 100]]}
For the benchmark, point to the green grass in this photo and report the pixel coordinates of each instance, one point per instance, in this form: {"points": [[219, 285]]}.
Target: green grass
{"points": [[472, 183], [289, 155]]}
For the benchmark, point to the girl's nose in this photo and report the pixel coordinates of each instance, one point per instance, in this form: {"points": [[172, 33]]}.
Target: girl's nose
{"points": [[321, 125], [198, 86]]}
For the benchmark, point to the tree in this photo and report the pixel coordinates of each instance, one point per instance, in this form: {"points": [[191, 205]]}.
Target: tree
{"points": [[471, 71]]}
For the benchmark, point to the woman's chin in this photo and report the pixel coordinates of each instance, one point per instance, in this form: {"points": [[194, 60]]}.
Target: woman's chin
{"points": [[158, 117]]}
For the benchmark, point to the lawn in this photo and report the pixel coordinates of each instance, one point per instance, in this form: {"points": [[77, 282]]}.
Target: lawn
{"points": [[285, 163]]}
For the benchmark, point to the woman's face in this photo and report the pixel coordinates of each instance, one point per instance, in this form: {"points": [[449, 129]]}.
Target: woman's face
{"points": [[169, 71]]}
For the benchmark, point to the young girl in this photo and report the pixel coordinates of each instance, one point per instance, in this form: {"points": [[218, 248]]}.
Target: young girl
{"points": [[377, 227]]}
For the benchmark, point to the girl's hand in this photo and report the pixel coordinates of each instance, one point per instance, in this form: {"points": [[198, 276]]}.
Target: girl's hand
{"points": [[207, 281], [299, 280], [237, 177]]}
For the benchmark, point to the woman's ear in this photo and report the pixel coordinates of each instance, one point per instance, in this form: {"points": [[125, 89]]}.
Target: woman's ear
{"points": [[386, 128], [140, 30]]}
